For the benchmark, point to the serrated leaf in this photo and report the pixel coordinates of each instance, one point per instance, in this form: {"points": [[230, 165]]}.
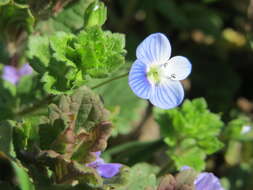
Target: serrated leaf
{"points": [[143, 173], [39, 53], [92, 53], [77, 126], [193, 157], [193, 129], [211, 145], [100, 52]]}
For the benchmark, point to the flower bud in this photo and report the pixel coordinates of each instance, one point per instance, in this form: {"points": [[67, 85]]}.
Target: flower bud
{"points": [[95, 14]]}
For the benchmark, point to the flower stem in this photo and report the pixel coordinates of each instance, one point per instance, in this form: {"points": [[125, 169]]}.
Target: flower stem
{"points": [[109, 80], [48, 99]]}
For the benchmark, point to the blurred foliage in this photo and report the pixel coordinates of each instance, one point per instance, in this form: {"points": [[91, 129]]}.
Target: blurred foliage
{"points": [[69, 43]]}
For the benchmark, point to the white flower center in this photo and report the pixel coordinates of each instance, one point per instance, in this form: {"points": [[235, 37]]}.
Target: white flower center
{"points": [[158, 73]]}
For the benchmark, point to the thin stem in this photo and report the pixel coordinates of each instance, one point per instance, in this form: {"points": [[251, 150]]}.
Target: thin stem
{"points": [[50, 97], [109, 80]]}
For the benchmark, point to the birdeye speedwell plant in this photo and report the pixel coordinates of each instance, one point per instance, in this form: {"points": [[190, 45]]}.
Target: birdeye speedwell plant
{"points": [[78, 111]]}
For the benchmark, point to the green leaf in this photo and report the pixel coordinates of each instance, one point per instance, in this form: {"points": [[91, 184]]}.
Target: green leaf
{"points": [[7, 99], [39, 53], [193, 157], [6, 144], [24, 181], [29, 90], [101, 52], [77, 126], [191, 129], [92, 53], [210, 145], [7, 152], [143, 173]]}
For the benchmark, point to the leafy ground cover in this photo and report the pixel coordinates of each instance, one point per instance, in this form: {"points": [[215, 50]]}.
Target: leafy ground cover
{"points": [[72, 117]]}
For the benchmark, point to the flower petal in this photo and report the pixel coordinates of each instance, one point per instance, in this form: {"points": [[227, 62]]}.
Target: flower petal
{"points": [[138, 81], [167, 95], [155, 48], [108, 170], [10, 74], [178, 68], [98, 153], [26, 69], [207, 181]]}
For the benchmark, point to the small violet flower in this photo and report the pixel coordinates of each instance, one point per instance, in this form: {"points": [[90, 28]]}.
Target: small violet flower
{"points": [[106, 170], [205, 181], [13, 74], [155, 76]]}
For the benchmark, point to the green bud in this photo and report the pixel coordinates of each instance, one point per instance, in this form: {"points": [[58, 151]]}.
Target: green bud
{"points": [[95, 14]]}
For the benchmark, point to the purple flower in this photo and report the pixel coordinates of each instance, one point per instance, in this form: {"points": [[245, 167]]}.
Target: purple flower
{"points": [[106, 170], [155, 76], [13, 74], [205, 181]]}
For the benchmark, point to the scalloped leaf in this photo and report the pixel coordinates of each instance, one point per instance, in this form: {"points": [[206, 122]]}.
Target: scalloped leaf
{"points": [[92, 53]]}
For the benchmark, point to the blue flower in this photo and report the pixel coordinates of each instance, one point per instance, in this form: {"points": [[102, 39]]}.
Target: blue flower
{"points": [[106, 170], [13, 74], [205, 180], [155, 76]]}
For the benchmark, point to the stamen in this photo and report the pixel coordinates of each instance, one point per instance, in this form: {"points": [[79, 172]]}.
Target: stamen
{"points": [[154, 74], [172, 76]]}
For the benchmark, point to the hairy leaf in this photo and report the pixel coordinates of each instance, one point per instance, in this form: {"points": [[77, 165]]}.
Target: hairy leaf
{"points": [[191, 132], [92, 53]]}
